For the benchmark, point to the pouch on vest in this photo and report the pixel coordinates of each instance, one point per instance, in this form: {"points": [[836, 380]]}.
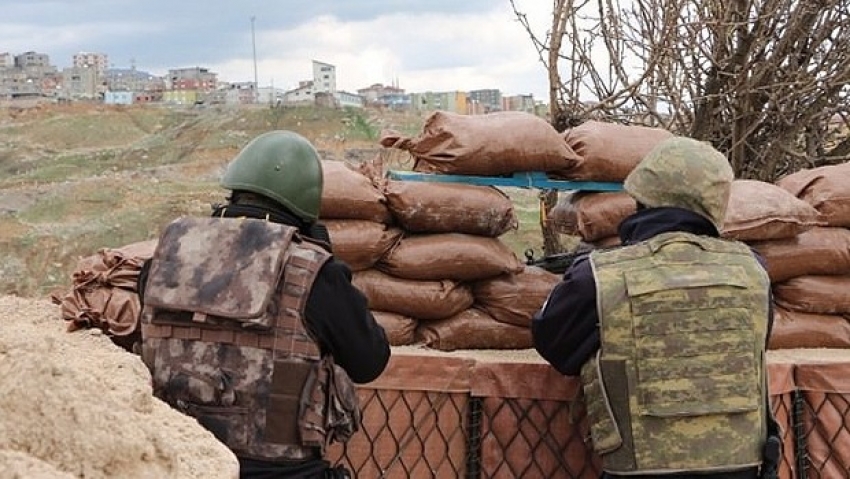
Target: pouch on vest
{"points": [[336, 420], [603, 426], [208, 269]]}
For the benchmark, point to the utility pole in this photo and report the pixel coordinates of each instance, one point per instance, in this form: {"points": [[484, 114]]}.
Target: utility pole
{"points": [[254, 48]]}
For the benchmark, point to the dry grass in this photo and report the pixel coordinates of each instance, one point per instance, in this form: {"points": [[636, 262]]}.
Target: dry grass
{"points": [[75, 179]]}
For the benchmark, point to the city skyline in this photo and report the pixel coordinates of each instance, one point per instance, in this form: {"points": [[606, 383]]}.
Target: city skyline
{"points": [[441, 46]]}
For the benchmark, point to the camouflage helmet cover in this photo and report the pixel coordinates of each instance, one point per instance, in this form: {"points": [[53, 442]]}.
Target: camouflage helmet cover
{"points": [[281, 165], [685, 173]]}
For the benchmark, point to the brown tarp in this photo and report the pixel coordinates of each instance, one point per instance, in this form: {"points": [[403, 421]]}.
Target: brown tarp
{"points": [[419, 299], [361, 243], [818, 251], [610, 151], [492, 144], [763, 211], [815, 294], [349, 194], [827, 188], [514, 298], [455, 256], [431, 207], [472, 329]]}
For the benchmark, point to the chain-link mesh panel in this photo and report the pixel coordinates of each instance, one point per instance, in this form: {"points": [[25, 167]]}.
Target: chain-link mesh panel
{"points": [[408, 434], [535, 438], [825, 416], [783, 410]]}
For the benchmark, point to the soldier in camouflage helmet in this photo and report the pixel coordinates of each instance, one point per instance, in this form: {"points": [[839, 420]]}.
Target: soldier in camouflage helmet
{"points": [[251, 326], [668, 331]]}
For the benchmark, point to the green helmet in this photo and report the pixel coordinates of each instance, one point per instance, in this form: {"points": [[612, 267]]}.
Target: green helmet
{"points": [[283, 166], [684, 173]]}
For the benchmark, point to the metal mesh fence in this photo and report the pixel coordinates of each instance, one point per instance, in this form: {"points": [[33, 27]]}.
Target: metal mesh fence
{"points": [[408, 434], [437, 434], [823, 426]]}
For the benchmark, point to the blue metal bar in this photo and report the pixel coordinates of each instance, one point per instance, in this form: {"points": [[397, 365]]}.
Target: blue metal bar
{"points": [[529, 179]]}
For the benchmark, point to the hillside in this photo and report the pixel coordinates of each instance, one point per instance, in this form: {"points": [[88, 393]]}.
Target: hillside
{"points": [[77, 178]]}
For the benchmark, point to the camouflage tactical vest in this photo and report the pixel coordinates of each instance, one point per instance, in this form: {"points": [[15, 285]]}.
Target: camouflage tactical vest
{"points": [[679, 383], [224, 338]]}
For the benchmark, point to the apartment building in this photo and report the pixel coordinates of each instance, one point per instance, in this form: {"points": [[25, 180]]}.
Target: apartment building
{"points": [[96, 61], [324, 77], [188, 86], [488, 100], [453, 101]]}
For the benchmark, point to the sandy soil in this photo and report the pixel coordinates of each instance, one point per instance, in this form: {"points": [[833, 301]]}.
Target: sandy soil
{"points": [[76, 405]]}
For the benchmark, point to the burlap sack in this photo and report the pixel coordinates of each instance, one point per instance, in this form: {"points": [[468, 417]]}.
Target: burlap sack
{"points": [[818, 251], [425, 207], [514, 298], [827, 188], [472, 329], [763, 211], [795, 329], [599, 213], [361, 243], [815, 294], [455, 256], [610, 151], [349, 194], [493, 144], [421, 300], [400, 329]]}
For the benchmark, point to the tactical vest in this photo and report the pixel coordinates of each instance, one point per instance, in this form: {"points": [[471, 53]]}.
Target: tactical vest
{"points": [[224, 337], [679, 383]]}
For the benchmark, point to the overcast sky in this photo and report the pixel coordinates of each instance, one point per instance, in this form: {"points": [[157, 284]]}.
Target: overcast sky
{"points": [[435, 45]]}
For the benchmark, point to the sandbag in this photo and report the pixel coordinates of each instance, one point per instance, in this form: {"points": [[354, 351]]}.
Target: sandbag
{"points": [[492, 144], [815, 294], [514, 298], [763, 211], [795, 329], [823, 250], [826, 188], [610, 151], [104, 293], [349, 194], [422, 300], [400, 329], [361, 243], [599, 214], [472, 329], [425, 207], [456, 256]]}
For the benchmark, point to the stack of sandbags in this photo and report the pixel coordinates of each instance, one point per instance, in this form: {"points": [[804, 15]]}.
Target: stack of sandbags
{"points": [[450, 242], [811, 271]]}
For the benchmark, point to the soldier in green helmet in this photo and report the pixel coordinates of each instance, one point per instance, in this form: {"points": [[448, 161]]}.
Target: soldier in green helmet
{"points": [[251, 326], [668, 332]]}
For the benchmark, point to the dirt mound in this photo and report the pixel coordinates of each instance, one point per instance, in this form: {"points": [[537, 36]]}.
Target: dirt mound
{"points": [[74, 403]]}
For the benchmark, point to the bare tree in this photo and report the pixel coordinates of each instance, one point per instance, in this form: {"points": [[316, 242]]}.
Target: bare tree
{"points": [[765, 81]]}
